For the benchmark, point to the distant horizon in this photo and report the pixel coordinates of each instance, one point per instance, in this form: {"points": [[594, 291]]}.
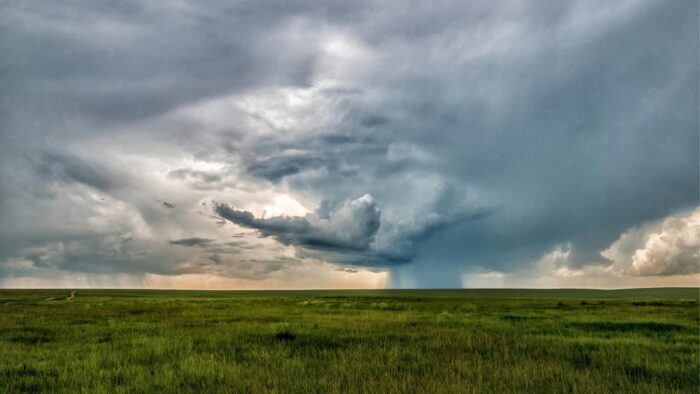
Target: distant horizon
{"points": [[359, 289]]}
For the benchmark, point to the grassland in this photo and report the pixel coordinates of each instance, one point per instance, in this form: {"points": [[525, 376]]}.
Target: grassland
{"points": [[104, 341]]}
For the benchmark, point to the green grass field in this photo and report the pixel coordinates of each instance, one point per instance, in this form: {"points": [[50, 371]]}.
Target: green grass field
{"points": [[434, 341]]}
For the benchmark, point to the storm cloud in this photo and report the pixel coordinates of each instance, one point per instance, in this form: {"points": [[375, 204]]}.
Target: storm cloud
{"points": [[195, 241], [424, 143], [351, 227]]}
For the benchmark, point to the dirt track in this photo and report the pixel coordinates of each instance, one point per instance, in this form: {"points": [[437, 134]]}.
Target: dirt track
{"points": [[71, 295]]}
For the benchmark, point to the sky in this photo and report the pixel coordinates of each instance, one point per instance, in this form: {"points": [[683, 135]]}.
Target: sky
{"points": [[335, 144]]}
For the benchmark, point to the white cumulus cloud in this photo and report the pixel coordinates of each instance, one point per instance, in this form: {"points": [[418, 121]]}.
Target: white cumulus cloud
{"points": [[667, 247]]}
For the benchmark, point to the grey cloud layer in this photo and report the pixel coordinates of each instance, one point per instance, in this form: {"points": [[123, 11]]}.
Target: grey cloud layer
{"points": [[487, 134]]}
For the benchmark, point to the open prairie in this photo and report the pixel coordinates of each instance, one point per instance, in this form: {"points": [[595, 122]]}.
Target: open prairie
{"points": [[637, 341]]}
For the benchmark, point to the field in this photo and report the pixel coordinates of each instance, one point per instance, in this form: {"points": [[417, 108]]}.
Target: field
{"points": [[434, 341]]}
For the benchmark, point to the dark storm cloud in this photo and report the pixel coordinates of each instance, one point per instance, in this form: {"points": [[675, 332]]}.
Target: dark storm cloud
{"points": [[351, 227], [195, 241], [200, 176], [345, 232], [127, 62], [340, 149], [59, 167], [488, 134], [274, 169]]}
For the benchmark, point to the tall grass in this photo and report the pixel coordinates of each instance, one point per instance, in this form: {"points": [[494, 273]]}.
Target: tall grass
{"points": [[411, 341]]}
